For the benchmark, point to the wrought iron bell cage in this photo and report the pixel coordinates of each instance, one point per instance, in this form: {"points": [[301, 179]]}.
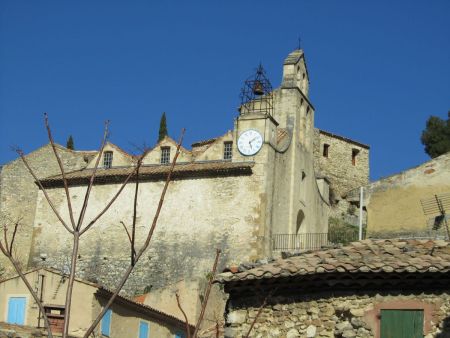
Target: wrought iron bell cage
{"points": [[257, 94]]}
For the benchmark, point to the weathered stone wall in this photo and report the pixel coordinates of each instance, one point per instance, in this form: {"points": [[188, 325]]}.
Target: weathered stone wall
{"points": [[198, 216], [19, 192], [328, 315], [338, 166]]}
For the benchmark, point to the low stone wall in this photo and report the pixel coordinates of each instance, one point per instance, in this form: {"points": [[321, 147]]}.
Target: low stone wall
{"points": [[325, 315]]}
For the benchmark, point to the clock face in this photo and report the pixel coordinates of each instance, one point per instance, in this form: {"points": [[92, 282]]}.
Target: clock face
{"points": [[250, 142]]}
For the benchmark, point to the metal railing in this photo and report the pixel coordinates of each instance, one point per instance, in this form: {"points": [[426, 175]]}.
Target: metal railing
{"points": [[311, 241]]}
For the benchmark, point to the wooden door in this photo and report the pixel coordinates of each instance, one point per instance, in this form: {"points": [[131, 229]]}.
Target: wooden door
{"points": [[401, 324], [16, 310]]}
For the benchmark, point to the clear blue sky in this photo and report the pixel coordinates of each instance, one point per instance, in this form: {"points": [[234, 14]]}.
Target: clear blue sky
{"points": [[378, 69]]}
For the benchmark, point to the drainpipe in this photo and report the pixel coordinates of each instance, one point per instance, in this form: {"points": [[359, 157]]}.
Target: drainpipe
{"points": [[361, 202]]}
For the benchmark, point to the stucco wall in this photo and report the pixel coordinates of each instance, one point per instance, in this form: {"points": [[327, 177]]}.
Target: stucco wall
{"points": [[393, 203], [85, 306], [19, 192], [125, 322], [334, 314], [119, 159], [54, 292]]}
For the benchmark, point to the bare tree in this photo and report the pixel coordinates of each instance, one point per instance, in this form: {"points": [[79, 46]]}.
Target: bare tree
{"points": [[7, 248], [77, 227], [211, 277]]}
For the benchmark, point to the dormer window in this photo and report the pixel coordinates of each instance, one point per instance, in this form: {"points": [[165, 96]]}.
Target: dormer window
{"points": [[107, 159], [227, 150], [165, 155]]}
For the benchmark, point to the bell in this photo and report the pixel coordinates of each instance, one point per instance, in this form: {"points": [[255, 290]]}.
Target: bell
{"points": [[258, 88]]}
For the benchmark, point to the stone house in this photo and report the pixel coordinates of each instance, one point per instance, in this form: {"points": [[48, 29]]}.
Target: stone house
{"points": [[370, 288], [125, 318]]}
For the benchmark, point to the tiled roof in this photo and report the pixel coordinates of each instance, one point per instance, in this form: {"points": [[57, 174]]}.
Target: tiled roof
{"points": [[346, 139], [365, 256], [154, 172], [203, 142], [104, 292]]}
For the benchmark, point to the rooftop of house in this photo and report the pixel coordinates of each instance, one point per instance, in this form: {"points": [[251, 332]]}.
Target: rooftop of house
{"points": [[366, 256], [154, 172], [342, 138]]}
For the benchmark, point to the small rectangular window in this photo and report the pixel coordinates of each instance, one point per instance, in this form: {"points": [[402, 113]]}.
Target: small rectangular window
{"points": [[107, 159], [325, 150], [143, 330], [165, 155], [354, 154], [106, 323], [227, 150]]}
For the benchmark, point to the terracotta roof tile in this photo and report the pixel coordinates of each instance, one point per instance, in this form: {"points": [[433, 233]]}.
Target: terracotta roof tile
{"points": [[194, 169], [394, 255]]}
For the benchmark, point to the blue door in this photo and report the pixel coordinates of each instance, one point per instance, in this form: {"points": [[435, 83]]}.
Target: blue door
{"points": [[106, 323], [143, 330], [180, 335], [16, 310]]}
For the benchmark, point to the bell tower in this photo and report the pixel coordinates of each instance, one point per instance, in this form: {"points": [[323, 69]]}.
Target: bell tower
{"points": [[256, 114], [296, 82]]}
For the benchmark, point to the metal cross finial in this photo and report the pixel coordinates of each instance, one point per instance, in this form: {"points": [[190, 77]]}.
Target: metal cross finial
{"points": [[299, 42]]}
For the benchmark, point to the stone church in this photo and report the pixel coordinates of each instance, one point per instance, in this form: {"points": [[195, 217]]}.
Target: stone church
{"points": [[267, 179]]}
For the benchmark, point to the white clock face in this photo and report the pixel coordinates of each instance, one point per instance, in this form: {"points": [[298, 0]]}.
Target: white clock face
{"points": [[250, 142]]}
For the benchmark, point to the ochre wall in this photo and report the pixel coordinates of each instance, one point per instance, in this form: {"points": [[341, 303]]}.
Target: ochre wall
{"points": [[393, 203]]}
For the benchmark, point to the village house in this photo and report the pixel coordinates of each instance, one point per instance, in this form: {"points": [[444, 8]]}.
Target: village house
{"points": [[371, 288], [125, 318]]}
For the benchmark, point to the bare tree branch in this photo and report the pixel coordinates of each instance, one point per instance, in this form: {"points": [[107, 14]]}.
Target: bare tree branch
{"points": [[105, 209], [76, 237], [126, 230], [91, 180], [16, 225], [259, 311], [61, 167], [188, 331], [8, 253], [144, 246], [5, 236], [208, 290], [133, 228], [44, 191]]}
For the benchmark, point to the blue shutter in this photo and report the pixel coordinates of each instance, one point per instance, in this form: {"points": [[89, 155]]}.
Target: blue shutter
{"points": [[16, 310], [106, 323], [143, 330], [180, 335]]}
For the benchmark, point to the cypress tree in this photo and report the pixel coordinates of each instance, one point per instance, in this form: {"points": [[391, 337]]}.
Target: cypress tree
{"points": [[162, 127], [69, 143]]}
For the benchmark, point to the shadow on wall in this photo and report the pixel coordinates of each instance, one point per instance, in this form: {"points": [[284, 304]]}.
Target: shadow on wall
{"points": [[445, 333]]}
